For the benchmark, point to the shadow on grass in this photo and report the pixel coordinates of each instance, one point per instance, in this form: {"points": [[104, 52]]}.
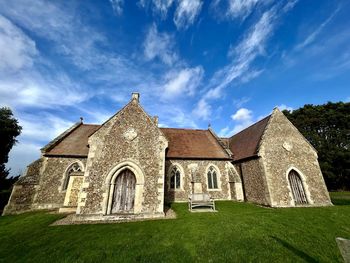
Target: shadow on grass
{"points": [[340, 201], [295, 250]]}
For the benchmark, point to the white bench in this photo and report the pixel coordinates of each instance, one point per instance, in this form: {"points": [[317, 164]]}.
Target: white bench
{"points": [[200, 200]]}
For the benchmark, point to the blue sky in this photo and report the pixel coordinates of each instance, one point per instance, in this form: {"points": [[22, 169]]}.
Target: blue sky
{"points": [[223, 62]]}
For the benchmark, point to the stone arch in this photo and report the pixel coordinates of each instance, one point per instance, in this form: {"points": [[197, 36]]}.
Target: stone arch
{"points": [[66, 174], [110, 183], [182, 175], [218, 176], [303, 182]]}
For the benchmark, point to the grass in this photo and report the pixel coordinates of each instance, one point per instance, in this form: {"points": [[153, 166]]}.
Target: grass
{"points": [[239, 232]]}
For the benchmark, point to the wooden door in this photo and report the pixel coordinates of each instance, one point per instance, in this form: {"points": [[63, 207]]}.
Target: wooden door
{"points": [[124, 193], [297, 188]]}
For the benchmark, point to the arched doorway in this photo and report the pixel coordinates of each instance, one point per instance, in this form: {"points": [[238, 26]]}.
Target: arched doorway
{"points": [[297, 188], [124, 193]]}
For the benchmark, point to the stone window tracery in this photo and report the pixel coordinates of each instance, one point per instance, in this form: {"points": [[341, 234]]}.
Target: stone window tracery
{"points": [[74, 168], [175, 178], [212, 178]]}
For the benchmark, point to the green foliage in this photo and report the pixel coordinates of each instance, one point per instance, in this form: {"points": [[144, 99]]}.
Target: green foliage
{"points": [[238, 232], [327, 128], [9, 130]]}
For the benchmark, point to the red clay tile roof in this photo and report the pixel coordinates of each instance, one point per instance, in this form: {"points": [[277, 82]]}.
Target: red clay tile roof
{"points": [[186, 143], [75, 143], [245, 143], [183, 143]]}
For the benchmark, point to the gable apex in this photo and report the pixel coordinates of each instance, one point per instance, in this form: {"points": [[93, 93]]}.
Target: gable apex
{"points": [[135, 97]]}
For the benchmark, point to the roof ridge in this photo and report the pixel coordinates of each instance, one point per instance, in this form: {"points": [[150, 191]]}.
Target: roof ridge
{"points": [[250, 126], [212, 132], [60, 137], [186, 129], [90, 124]]}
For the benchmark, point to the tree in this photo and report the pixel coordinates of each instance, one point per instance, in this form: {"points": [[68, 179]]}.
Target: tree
{"points": [[9, 130], [327, 128]]}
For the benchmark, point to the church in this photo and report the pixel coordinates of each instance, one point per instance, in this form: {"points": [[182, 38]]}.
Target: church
{"points": [[129, 167]]}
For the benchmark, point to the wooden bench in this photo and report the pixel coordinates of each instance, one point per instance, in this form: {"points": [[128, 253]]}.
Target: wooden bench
{"points": [[200, 200]]}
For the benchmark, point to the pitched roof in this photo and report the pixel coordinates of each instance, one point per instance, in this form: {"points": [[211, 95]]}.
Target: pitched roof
{"points": [[75, 143], [183, 143], [188, 143], [245, 143]]}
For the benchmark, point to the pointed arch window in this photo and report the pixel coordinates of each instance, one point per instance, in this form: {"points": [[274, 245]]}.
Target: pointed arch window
{"points": [[212, 178], [175, 178], [297, 188], [74, 168]]}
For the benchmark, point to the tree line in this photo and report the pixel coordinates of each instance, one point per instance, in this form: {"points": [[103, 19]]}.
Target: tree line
{"points": [[327, 128]]}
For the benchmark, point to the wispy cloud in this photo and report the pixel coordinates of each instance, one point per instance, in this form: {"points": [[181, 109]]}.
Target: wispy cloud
{"points": [[202, 110], [250, 47], [70, 37], [312, 36], [17, 51], [158, 6], [243, 55], [183, 82], [236, 9], [159, 45], [117, 6], [186, 13], [240, 102]]}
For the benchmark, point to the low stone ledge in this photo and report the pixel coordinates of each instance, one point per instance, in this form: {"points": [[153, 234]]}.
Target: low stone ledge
{"points": [[74, 219]]}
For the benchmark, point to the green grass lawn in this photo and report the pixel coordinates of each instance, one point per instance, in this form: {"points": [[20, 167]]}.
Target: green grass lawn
{"points": [[239, 232]]}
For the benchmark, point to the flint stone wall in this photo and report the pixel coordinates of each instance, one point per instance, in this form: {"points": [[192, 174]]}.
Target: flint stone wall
{"points": [[254, 181], [24, 190], [50, 193], [130, 135], [284, 148], [196, 171]]}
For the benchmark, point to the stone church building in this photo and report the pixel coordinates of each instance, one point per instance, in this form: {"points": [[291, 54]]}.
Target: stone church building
{"points": [[129, 167]]}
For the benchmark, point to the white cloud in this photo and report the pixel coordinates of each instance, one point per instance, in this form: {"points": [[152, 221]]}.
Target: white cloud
{"points": [[241, 8], [250, 47], [17, 50], [236, 9], [311, 37], [183, 82], [202, 110], [117, 6], [284, 107], [242, 114], [186, 12], [224, 132], [158, 6], [21, 155], [30, 88], [242, 119], [240, 102], [290, 5], [159, 45], [37, 130], [70, 37]]}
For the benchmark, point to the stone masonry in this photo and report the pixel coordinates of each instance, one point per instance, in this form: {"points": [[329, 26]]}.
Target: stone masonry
{"points": [[253, 165]]}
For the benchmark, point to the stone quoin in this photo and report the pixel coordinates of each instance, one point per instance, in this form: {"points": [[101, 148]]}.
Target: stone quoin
{"points": [[128, 167]]}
